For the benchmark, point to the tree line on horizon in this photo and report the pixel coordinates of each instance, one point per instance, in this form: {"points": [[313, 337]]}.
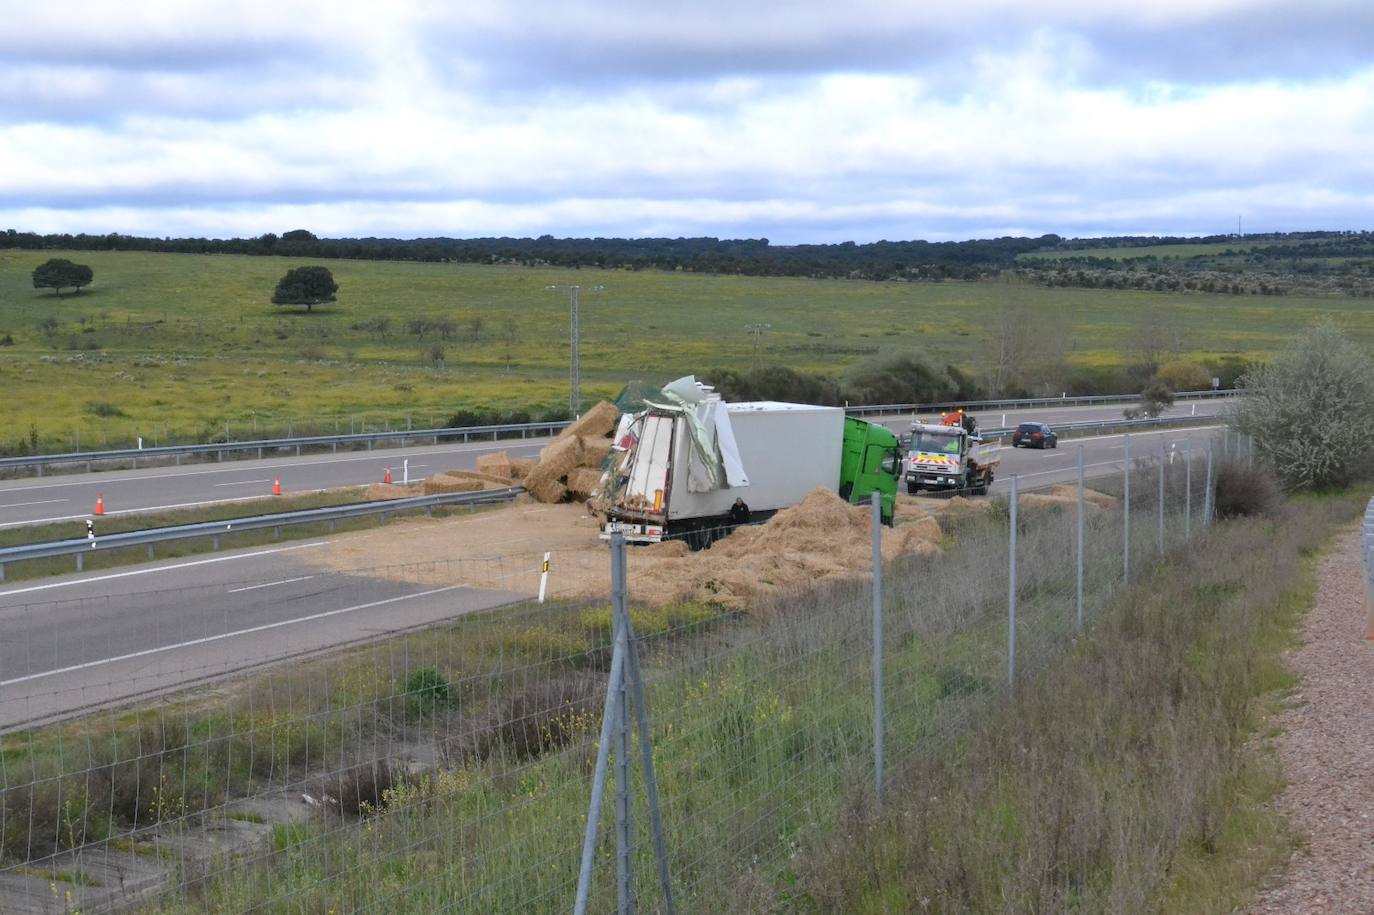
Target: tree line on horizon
{"points": [[881, 260]]}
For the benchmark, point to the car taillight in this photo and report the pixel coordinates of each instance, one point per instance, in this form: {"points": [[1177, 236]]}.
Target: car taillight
{"points": [[1038, 435]]}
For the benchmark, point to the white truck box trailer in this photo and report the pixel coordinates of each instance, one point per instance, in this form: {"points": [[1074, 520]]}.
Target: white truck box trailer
{"points": [[786, 450]]}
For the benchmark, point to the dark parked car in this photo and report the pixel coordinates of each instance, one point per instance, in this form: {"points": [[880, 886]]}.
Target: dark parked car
{"points": [[1034, 435]]}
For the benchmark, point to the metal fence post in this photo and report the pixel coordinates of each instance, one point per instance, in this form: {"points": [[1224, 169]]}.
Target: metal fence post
{"points": [[1126, 513], [1162, 464], [608, 716], [1209, 494], [1078, 588], [623, 873], [878, 723], [1011, 591], [1188, 493], [646, 750]]}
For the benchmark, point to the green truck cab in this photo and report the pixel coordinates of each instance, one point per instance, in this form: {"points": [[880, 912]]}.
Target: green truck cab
{"points": [[870, 461]]}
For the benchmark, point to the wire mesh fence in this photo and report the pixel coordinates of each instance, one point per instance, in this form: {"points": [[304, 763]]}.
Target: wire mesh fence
{"points": [[213, 748]]}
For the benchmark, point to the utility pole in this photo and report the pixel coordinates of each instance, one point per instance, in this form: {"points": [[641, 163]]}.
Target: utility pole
{"points": [[575, 339], [757, 330]]}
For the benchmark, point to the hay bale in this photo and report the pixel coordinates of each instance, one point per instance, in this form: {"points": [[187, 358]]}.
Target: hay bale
{"points": [[598, 422], [1094, 498], [1035, 500], [584, 481], [443, 482], [521, 467], [478, 475], [380, 492], [548, 491], [594, 450], [496, 465], [564, 451]]}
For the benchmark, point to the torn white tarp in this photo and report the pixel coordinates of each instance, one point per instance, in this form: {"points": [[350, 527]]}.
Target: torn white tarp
{"points": [[713, 460]]}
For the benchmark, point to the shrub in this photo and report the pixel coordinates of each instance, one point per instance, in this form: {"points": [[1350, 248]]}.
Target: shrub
{"points": [[1244, 490], [1183, 376], [103, 408], [426, 691], [1310, 410]]}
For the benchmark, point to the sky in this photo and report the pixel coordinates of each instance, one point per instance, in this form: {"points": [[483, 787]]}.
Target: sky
{"points": [[794, 121]]}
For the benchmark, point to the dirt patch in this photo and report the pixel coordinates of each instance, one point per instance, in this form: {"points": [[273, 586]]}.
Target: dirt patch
{"points": [[823, 537]]}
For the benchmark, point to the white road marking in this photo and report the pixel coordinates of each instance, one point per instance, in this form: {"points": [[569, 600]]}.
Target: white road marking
{"points": [[44, 502], [153, 571], [225, 635], [241, 483], [270, 584]]}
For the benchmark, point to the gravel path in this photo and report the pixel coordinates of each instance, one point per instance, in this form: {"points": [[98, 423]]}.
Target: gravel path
{"points": [[1327, 750]]}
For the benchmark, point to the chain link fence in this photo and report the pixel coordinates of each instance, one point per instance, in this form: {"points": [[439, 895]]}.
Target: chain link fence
{"points": [[212, 749]]}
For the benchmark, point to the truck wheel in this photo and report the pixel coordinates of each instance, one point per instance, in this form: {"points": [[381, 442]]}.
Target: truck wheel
{"points": [[846, 491], [981, 487], [912, 489]]}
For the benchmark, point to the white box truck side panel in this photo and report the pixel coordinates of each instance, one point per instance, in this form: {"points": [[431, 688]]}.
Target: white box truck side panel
{"points": [[786, 449]]}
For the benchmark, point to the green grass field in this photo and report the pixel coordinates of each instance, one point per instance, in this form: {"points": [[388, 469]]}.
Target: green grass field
{"points": [[173, 347]]}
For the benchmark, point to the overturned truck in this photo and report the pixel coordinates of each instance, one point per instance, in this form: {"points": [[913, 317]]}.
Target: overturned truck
{"points": [[678, 466]]}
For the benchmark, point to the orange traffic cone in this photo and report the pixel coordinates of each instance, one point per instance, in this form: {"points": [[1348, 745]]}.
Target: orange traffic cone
{"points": [[99, 505], [387, 478], [276, 486]]}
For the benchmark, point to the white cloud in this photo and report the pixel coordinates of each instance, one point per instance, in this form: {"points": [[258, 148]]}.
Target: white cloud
{"points": [[803, 121]]}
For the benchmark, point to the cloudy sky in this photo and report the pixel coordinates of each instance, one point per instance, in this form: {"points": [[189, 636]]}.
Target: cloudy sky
{"points": [[796, 121]]}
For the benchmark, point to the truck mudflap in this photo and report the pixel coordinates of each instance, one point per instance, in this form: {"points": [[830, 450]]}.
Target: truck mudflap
{"points": [[633, 533]]}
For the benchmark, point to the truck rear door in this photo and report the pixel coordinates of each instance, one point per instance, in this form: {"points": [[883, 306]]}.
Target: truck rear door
{"points": [[646, 489]]}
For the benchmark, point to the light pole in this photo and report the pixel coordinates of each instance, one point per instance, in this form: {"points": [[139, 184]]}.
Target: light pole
{"points": [[757, 330], [575, 338]]}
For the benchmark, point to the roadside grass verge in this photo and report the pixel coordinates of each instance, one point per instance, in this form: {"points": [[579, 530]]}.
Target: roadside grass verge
{"points": [[1122, 775]]}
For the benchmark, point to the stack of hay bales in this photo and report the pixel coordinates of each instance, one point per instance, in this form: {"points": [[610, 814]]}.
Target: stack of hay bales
{"points": [[569, 467], [580, 447]]}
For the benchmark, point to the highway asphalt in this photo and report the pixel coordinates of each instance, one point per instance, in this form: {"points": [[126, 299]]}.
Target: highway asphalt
{"points": [[82, 642], [72, 497], [85, 641]]}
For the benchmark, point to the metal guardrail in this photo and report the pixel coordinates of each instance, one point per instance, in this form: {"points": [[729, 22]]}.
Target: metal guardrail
{"points": [[261, 446], [1100, 425], [1078, 401], [216, 529], [525, 430]]}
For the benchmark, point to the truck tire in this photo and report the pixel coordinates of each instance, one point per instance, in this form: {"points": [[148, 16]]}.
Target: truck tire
{"points": [[912, 488], [981, 487]]}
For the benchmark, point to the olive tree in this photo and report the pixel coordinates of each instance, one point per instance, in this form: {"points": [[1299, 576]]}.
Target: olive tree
{"points": [[1310, 410]]}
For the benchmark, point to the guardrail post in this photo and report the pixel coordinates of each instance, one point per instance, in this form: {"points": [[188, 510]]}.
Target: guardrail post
{"points": [[80, 562], [150, 551], [215, 541]]}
